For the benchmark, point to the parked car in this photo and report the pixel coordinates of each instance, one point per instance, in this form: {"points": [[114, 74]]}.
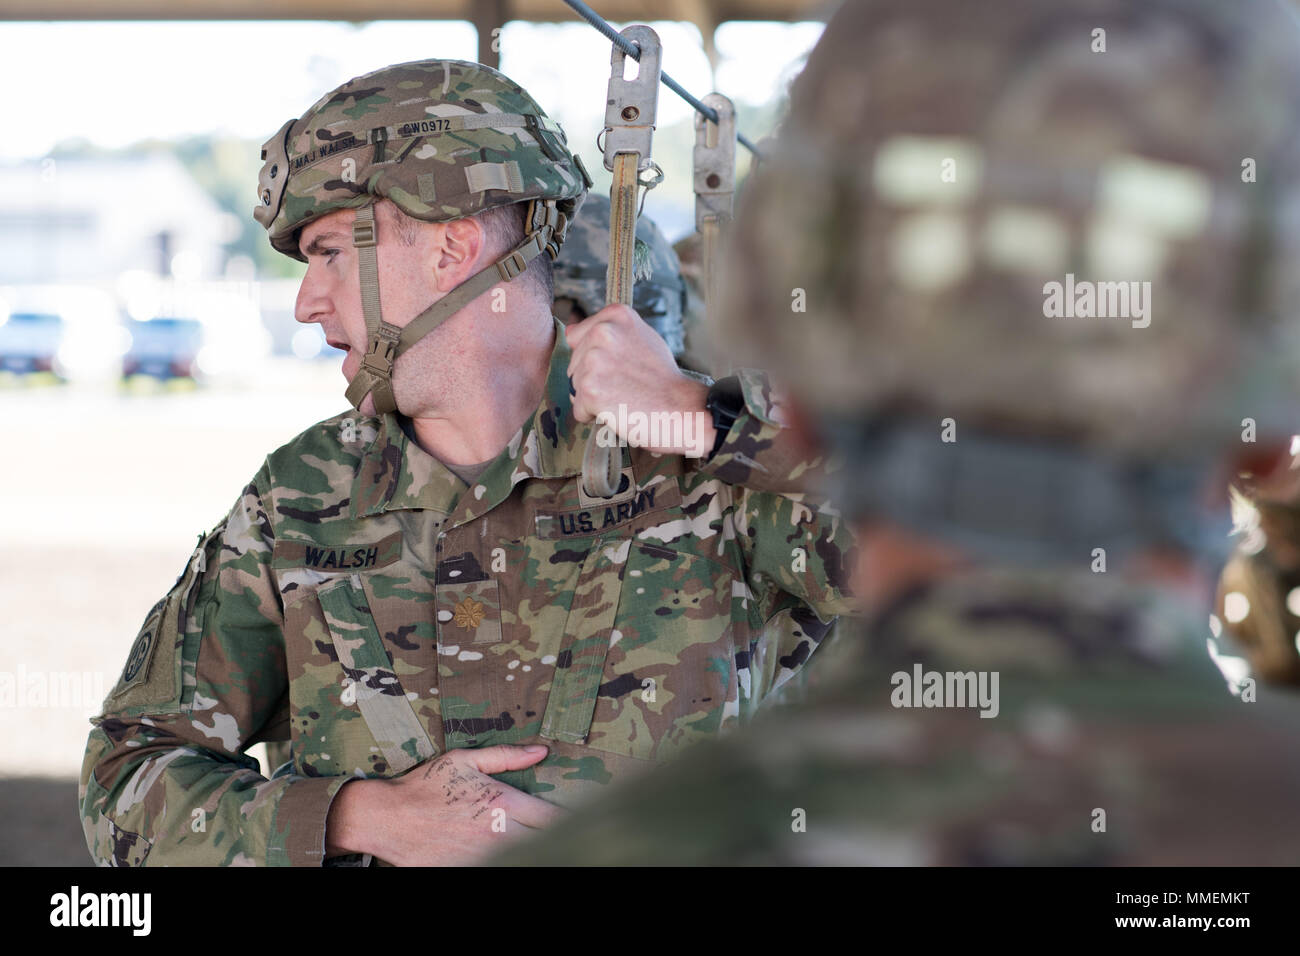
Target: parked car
{"points": [[29, 342], [163, 348]]}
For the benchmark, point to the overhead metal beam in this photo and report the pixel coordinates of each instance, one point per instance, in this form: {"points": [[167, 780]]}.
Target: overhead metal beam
{"points": [[619, 11]]}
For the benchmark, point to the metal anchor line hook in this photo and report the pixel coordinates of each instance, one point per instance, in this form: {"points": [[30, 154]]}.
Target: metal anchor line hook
{"points": [[715, 186], [620, 40], [632, 105]]}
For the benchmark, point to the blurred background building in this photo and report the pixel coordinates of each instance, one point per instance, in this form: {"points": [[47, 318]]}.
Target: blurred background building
{"points": [[88, 220]]}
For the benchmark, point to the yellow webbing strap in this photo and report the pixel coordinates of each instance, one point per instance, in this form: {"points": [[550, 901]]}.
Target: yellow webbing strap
{"points": [[602, 462]]}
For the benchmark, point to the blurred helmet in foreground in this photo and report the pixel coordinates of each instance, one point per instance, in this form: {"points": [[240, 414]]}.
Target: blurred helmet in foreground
{"points": [[659, 293], [1027, 285]]}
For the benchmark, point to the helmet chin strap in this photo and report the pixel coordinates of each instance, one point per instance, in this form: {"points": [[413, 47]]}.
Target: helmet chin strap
{"points": [[387, 341], [376, 372]]}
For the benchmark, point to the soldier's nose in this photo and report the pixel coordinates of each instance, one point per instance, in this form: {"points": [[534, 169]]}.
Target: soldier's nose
{"points": [[309, 306]]}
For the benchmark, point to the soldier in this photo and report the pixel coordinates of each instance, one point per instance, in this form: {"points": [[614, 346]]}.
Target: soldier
{"points": [[1027, 481], [455, 636]]}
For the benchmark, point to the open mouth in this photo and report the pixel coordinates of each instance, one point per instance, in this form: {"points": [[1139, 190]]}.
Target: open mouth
{"points": [[341, 346]]}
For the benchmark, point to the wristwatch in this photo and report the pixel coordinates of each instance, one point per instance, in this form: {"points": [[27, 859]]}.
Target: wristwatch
{"points": [[725, 402]]}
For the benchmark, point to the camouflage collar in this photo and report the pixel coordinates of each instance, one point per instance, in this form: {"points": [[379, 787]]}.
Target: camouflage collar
{"points": [[395, 473]]}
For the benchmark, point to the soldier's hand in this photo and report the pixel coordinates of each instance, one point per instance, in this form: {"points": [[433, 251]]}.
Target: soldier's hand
{"points": [[623, 372], [446, 812]]}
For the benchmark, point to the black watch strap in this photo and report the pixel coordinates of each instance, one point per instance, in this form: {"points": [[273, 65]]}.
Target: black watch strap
{"points": [[725, 402]]}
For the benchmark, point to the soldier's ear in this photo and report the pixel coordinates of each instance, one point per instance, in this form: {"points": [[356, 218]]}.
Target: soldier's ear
{"points": [[457, 247]]}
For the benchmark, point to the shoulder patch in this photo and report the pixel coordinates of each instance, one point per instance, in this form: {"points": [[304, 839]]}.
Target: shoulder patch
{"points": [[137, 662], [151, 676]]}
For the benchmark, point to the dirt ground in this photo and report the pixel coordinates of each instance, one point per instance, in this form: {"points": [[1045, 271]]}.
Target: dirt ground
{"points": [[104, 495]]}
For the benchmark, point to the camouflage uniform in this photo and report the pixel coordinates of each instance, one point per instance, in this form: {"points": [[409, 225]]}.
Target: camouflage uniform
{"points": [[1065, 521], [1111, 707], [361, 601]]}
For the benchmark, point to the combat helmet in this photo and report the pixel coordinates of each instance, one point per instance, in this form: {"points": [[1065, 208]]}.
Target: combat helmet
{"points": [[441, 139], [659, 295], [1032, 289]]}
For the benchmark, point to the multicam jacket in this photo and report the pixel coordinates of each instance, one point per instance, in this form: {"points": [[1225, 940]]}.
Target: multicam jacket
{"points": [[364, 603]]}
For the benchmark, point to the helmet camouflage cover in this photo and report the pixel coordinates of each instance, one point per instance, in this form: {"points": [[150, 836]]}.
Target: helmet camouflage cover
{"points": [[441, 139], [659, 292]]}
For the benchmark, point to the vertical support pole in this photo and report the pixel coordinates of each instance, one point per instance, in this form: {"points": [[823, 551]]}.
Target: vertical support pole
{"points": [[488, 15]]}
